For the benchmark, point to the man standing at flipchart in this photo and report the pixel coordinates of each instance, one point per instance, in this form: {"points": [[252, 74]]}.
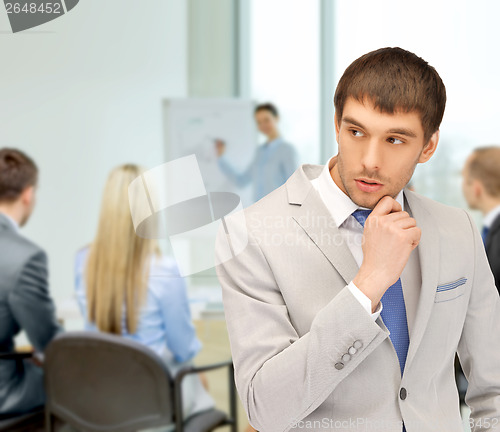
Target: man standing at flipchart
{"points": [[348, 304], [273, 162]]}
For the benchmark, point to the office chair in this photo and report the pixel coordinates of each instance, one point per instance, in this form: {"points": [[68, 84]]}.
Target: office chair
{"points": [[27, 422], [98, 382]]}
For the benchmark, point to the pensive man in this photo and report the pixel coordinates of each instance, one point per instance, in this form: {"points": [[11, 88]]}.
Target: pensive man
{"points": [[353, 294]]}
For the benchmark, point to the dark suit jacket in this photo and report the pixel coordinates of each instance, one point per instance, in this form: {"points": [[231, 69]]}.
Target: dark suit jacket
{"points": [[25, 304], [493, 250]]}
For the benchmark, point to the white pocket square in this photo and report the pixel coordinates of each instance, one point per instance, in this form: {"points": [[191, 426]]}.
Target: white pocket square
{"points": [[451, 285], [450, 291]]}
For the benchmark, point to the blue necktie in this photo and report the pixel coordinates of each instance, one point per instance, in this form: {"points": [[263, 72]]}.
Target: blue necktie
{"points": [[394, 310], [484, 233]]}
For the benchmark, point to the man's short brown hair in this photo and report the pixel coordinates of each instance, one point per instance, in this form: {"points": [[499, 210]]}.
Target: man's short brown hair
{"points": [[17, 172], [394, 80], [485, 167], [268, 106]]}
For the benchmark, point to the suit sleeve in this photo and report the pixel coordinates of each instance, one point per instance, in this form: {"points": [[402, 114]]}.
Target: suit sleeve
{"points": [[31, 304], [281, 377], [479, 345]]}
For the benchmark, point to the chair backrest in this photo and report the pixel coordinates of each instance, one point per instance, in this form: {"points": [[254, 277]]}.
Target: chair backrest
{"points": [[33, 420], [99, 382]]}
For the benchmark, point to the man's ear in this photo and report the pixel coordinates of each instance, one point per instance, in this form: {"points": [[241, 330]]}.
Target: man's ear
{"points": [[337, 129], [477, 189], [429, 148], [27, 195]]}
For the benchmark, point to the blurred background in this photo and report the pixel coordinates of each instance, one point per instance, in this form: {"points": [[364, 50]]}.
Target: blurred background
{"points": [[86, 92], [92, 90]]}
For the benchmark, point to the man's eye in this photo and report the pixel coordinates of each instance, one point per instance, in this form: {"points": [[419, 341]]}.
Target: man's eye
{"points": [[395, 141], [355, 132]]}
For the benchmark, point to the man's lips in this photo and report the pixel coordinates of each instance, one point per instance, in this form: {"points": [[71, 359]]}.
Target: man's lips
{"points": [[368, 185], [367, 180]]}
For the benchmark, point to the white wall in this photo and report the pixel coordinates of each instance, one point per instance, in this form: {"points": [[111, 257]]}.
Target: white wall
{"points": [[82, 94]]}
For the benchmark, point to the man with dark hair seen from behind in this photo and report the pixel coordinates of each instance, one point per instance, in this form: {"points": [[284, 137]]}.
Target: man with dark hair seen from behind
{"points": [[481, 187], [25, 303], [353, 294]]}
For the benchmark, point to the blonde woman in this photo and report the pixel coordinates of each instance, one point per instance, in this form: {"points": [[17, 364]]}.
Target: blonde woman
{"points": [[125, 287]]}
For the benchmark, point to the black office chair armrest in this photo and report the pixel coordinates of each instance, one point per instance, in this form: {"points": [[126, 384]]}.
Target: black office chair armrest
{"points": [[15, 355], [197, 369]]}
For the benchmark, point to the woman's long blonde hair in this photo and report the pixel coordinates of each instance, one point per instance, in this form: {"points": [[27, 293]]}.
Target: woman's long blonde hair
{"points": [[118, 263]]}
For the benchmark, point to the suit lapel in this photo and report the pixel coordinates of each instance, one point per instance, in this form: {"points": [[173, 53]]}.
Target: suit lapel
{"points": [[429, 254], [309, 209], [313, 216]]}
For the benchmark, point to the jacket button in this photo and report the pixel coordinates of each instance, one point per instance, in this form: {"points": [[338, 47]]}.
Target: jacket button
{"points": [[357, 344], [352, 350], [403, 393], [346, 357], [339, 365]]}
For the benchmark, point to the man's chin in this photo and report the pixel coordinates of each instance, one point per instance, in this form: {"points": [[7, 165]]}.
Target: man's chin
{"points": [[362, 200]]}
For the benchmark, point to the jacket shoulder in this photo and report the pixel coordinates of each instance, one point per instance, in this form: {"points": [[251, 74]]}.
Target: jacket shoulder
{"points": [[21, 247], [443, 214], [21, 251], [281, 202], [253, 218], [274, 203]]}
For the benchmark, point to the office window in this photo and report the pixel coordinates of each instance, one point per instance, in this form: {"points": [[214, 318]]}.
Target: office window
{"points": [[284, 59]]}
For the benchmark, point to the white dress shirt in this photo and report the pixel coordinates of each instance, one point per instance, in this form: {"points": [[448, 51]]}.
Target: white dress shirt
{"points": [[491, 216], [341, 208]]}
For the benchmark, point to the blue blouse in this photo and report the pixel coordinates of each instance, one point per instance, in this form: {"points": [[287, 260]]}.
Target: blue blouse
{"points": [[164, 320]]}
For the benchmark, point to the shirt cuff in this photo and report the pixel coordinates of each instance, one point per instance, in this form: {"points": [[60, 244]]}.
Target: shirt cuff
{"points": [[365, 301]]}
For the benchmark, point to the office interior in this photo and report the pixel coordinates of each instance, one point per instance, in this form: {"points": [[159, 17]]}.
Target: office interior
{"points": [[86, 93]]}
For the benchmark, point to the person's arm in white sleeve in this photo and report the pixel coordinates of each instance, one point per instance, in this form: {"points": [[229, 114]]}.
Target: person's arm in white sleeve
{"points": [[365, 301]]}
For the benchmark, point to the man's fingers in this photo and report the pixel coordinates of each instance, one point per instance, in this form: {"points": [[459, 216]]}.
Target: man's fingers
{"points": [[396, 207], [393, 217], [414, 236], [405, 222], [385, 206]]}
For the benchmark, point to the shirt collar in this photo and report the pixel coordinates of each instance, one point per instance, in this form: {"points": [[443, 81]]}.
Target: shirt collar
{"points": [[14, 224], [338, 203], [273, 142], [491, 216]]}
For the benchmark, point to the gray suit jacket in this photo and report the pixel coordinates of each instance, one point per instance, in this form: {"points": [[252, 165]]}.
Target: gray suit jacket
{"points": [[291, 318], [24, 305]]}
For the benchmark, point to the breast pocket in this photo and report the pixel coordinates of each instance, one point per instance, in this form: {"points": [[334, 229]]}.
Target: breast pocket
{"points": [[450, 291]]}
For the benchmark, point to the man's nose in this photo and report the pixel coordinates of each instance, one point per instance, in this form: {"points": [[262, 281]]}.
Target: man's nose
{"points": [[372, 155]]}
